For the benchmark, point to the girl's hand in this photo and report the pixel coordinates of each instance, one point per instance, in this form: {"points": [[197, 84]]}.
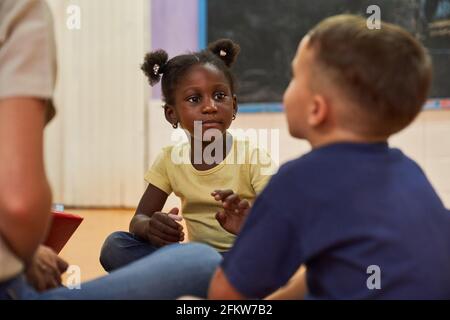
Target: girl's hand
{"points": [[234, 212], [162, 229]]}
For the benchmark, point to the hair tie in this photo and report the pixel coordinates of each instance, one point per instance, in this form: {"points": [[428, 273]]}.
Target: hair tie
{"points": [[156, 69]]}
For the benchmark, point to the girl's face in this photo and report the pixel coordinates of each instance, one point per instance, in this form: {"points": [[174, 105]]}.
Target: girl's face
{"points": [[203, 94]]}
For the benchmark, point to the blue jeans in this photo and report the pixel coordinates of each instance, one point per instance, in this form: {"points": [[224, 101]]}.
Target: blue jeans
{"points": [[171, 272], [122, 248]]}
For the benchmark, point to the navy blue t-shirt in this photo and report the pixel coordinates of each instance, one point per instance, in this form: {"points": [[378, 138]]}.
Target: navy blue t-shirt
{"points": [[341, 210]]}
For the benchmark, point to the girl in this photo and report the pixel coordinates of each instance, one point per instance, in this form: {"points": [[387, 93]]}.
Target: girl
{"points": [[199, 94]]}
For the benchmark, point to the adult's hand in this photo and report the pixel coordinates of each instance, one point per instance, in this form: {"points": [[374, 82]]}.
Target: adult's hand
{"points": [[45, 270]]}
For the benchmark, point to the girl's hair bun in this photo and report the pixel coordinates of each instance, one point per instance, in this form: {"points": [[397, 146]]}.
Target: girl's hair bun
{"points": [[226, 50], [154, 64]]}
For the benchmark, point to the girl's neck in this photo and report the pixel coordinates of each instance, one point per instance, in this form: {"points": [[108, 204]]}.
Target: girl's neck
{"points": [[206, 155]]}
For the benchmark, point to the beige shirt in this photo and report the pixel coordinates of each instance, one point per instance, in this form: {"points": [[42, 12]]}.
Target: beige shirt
{"points": [[27, 69]]}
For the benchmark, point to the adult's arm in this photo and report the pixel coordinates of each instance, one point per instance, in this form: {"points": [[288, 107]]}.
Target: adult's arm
{"points": [[25, 196]]}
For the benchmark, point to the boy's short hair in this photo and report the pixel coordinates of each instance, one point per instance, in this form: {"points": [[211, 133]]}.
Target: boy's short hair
{"points": [[385, 72]]}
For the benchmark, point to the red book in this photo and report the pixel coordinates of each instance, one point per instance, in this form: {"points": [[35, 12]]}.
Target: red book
{"points": [[62, 226]]}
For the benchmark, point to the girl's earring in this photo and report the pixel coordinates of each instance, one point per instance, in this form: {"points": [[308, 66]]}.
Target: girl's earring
{"points": [[175, 125], [234, 116]]}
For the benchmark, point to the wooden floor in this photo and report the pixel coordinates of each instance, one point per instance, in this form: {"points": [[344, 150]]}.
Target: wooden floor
{"points": [[83, 248]]}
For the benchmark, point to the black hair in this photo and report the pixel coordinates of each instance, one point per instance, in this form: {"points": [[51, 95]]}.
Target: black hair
{"points": [[221, 53]]}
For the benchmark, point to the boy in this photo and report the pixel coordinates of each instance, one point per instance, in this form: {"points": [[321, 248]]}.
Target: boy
{"points": [[361, 216]]}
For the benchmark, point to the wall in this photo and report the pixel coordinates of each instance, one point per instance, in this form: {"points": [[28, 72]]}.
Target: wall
{"points": [[95, 148]]}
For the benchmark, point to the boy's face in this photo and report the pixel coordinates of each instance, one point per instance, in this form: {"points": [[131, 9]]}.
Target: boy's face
{"points": [[299, 96]]}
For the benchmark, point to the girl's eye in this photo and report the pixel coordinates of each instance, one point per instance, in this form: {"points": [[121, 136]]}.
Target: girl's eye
{"points": [[220, 96], [193, 99]]}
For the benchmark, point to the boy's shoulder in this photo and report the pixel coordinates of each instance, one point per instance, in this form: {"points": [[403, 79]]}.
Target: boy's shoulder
{"points": [[327, 162]]}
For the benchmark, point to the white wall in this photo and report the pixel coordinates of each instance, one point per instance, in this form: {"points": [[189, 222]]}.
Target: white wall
{"points": [[427, 141], [95, 148]]}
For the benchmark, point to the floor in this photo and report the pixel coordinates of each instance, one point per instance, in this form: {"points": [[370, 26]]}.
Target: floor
{"points": [[84, 247]]}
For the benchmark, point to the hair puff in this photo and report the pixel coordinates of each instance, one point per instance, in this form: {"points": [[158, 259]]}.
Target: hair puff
{"points": [[153, 66], [226, 50]]}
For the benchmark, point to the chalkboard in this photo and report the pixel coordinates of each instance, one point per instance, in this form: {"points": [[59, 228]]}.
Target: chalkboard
{"points": [[268, 32]]}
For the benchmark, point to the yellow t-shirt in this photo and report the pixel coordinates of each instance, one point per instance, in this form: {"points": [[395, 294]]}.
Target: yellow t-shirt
{"points": [[246, 170]]}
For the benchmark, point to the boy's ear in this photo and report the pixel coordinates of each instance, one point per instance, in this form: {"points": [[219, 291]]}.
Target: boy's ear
{"points": [[170, 114], [319, 111]]}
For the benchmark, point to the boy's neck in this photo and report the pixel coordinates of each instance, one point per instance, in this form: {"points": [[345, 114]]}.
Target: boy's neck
{"points": [[342, 136]]}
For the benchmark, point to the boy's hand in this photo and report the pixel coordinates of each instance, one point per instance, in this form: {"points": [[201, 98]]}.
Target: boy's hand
{"points": [[163, 229], [46, 269], [234, 212]]}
